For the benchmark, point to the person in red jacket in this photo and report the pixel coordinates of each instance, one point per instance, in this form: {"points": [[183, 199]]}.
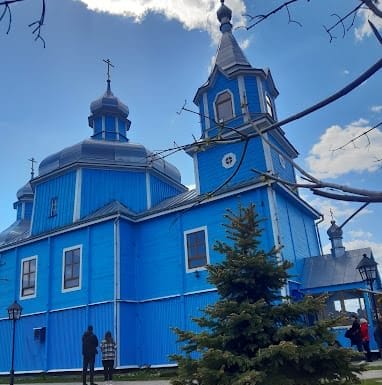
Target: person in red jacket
{"points": [[365, 338]]}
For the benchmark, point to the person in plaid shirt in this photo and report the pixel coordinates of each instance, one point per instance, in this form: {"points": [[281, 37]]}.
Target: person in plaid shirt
{"points": [[108, 348]]}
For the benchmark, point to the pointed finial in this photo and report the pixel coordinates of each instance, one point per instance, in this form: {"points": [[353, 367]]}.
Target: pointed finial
{"points": [[224, 15], [109, 64], [331, 214], [33, 161]]}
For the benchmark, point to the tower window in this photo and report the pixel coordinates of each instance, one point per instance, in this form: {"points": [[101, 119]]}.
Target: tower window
{"points": [[72, 268], [224, 108], [28, 277], [269, 105], [53, 207], [196, 248]]}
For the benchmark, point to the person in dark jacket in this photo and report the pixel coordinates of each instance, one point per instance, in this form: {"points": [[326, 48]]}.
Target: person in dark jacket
{"points": [[89, 351], [355, 331]]}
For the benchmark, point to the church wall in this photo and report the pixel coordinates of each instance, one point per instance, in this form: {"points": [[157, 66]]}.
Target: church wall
{"points": [[222, 83], [160, 190], [298, 234], [281, 166], [211, 170], [127, 265], [252, 93], [129, 343], [61, 188], [100, 187]]}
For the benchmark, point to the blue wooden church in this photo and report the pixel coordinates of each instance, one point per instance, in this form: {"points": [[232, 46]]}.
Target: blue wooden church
{"points": [[107, 235]]}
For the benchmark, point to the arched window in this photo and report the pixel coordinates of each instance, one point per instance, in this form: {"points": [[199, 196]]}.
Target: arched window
{"points": [[223, 105], [269, 105]]}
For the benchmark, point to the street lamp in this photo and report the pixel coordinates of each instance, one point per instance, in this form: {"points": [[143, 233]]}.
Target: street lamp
{"points": [[14, 314], [368, 270]]}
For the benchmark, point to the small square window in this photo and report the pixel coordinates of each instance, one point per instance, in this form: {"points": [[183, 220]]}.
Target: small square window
{"points": [[53, 207], [196, 247], [28, 277]]}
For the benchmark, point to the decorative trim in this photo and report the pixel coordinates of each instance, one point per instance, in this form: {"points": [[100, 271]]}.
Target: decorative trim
{"points": [[243, 98], [232, 104], [207, 122], [25, 297], [148, 190], [194, 230], [77, 196], [229, 160], [63, 290]]}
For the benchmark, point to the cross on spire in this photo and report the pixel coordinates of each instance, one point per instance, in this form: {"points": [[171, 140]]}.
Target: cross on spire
{"points": [[331, 214], [109, 64], [33, 161]]}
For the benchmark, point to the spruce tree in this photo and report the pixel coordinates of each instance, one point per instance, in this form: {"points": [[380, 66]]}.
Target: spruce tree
{"points": [[253, 335]]}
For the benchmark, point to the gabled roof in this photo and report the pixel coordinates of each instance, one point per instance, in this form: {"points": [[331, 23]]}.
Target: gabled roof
{"points": [[327, 270]]}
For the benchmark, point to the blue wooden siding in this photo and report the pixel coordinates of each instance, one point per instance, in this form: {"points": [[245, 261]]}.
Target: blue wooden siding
{"points": [[297, 231], [252, 94], [222, 83], [127, 265], [61, 187], [287, 173], [100, 187], [160, 190], [129, 343], [212, 173]]}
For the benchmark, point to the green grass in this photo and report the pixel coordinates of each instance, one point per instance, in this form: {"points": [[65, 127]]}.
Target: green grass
{"points": [[131, 375], [374, 381]]}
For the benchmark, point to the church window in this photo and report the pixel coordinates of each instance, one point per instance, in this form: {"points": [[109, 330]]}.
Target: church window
{"points": [[224, 108], [269, 105], [229, 160], [72, 268], [28, 277], [196, 248], [53, 207]]}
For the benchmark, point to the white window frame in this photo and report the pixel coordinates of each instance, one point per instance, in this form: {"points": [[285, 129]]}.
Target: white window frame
{"points": [[35, 257], [232, 105], [269, 106], [204, 228], [64, 251]]}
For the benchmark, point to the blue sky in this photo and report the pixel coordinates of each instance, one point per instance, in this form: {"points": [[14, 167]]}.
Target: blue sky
{"points": [[162, 52]]}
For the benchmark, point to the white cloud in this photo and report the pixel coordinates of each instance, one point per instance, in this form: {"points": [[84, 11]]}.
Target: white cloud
{"points": [[323, 162], [244, 44], [191, 186], [376, 109], [346, 72], [339, 209], [192, 14], [360, 234], [365, 30]]}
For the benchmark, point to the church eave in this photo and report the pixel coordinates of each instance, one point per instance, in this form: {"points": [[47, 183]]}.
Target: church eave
{"points": [[232, 72]]}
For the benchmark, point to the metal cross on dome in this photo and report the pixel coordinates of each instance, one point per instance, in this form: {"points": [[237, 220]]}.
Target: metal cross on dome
{"points": [[109, 64]]}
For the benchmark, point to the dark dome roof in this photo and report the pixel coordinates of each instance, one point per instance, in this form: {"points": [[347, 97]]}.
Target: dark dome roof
{"points": [[109, 103], [334, 230], [107, 153], [25, 192]]}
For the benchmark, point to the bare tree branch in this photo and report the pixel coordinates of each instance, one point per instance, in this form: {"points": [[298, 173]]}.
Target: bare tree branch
{"points": [[373, 8], [36, 24], [358, 137]]}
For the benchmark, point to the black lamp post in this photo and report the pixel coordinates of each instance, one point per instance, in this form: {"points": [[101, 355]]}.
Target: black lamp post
{"points": [[14, 314], [368, 270]]}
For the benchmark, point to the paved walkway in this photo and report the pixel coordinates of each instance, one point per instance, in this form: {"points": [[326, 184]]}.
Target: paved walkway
{"points": [[369, 374]]}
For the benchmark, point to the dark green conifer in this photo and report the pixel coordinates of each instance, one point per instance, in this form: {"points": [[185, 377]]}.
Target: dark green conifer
{"points": [[253, 335]]}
